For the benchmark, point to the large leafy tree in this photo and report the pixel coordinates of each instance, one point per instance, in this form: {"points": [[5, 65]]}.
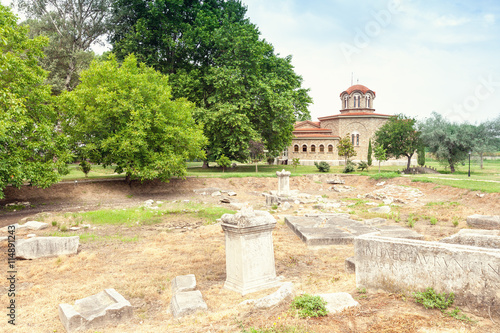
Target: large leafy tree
{"points": [[73, 27], [124, 116], [449, 142], [485, 138], [346, 148], [399, 137], [215, 58], [31, 147]]}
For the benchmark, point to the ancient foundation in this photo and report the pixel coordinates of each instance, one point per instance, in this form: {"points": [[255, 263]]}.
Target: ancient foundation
{"points": [[396, 265]]}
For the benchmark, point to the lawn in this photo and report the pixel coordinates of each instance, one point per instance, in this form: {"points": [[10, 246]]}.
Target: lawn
{"points": [[486, 179]]}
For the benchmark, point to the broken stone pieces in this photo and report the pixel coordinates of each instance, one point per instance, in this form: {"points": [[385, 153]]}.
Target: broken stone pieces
{"points": [[183, 283], [338, 302], [484, 221], [187, 302], [105, 308]]}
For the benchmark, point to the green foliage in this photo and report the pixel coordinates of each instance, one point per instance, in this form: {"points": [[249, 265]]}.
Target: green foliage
{"points": [[322, 166], [72, 28], [223, 162], [310, 306], [214, 58], [385, 175], [85, 166], [123, 116], [433, 221], [295, 163], [399, 137], [411, 221], [349, 167], [380, 155], [370, 152], [32, 149], [449, 142], [346, 148], [421, 155], [432, 300], [362, 165], [455, 221]]}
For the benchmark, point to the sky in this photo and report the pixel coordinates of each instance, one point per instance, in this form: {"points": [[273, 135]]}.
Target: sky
{"points": [[418, 56]]}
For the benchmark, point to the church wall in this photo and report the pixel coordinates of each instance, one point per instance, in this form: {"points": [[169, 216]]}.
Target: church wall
{"points": [[319, 156], [366, 128]]}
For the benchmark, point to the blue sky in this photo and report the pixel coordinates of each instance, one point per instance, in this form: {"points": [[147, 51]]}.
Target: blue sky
{"points": [[418, 56]]}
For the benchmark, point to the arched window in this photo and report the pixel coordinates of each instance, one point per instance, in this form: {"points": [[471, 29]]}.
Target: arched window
{"points": [[357, 139], [330, 148], [313, 148], [296, 148], [304, 148], [321, 148], [368, 101], [353, 137], [345, 102]]}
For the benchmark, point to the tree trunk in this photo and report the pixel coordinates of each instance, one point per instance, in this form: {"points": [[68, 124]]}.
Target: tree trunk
{"points": [[452, 168], [256, 168], [378, 166], [205, 165], [481, 159], [409, 161]]}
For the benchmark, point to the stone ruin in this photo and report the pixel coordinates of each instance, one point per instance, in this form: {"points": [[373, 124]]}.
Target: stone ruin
{"points": [[105, 308], [250, 265], [185, 298]]}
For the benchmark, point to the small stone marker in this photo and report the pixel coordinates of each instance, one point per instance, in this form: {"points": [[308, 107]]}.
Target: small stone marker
{"points": [[338, 302], [250, 263], [283, 182], [396, 265], [474, 237], [105, 308], [183, 283], [484, 222], [187, 302], [39, 247]]}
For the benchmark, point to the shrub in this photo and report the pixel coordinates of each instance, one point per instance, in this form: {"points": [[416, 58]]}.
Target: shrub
{"points": [[310, 306], [295, 163], [349, 167], [322, 166], [223, 162], [362, 165], [85, 166], [433, 221]]}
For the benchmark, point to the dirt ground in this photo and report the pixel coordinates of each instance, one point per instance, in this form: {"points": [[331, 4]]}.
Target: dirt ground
{"points": [[142, 270]]}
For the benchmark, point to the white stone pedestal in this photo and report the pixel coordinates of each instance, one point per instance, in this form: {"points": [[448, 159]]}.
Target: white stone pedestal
{"points": [[250, 263], [283, 182]]}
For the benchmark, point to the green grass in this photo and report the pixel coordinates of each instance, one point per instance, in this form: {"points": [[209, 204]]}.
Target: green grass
{"points": [[383, 175], [96, 172], [147, 216]]}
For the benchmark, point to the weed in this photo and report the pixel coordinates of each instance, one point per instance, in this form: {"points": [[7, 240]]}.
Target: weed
{"points": [[54, 223], [442, 203], [310, 306], [130, 196], [456, 314], [63, 228], [324, 196], [455, 221], [433, 221], [362, 290], [274, 207], [411, 221], [432, 300]]}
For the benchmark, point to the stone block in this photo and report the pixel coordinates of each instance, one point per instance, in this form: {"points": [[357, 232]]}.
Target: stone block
{"points": [[275, 298], [35, 225], [187, 302], [338, 302], [183, 283], [403, 265], [380, 210], [484, 222], [328, 229], [474, 237], [283, 182], [250, 262], [350, 265], [105, 308], [39, 247]]}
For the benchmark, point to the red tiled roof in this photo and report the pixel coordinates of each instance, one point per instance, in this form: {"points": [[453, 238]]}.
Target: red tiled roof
{"points": [[358, 87], [314, 123], [316, 136], [356, 114], [312, 129]]}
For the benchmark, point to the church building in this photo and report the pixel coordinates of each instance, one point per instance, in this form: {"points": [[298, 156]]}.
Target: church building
{"points": [[318, 140]]}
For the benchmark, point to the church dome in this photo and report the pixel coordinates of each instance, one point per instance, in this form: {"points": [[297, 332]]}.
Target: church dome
{"points": [[358, 87]]}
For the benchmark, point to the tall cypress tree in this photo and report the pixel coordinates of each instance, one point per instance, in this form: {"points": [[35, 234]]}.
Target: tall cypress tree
{"points": [[370, 152], [421, 155]]}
